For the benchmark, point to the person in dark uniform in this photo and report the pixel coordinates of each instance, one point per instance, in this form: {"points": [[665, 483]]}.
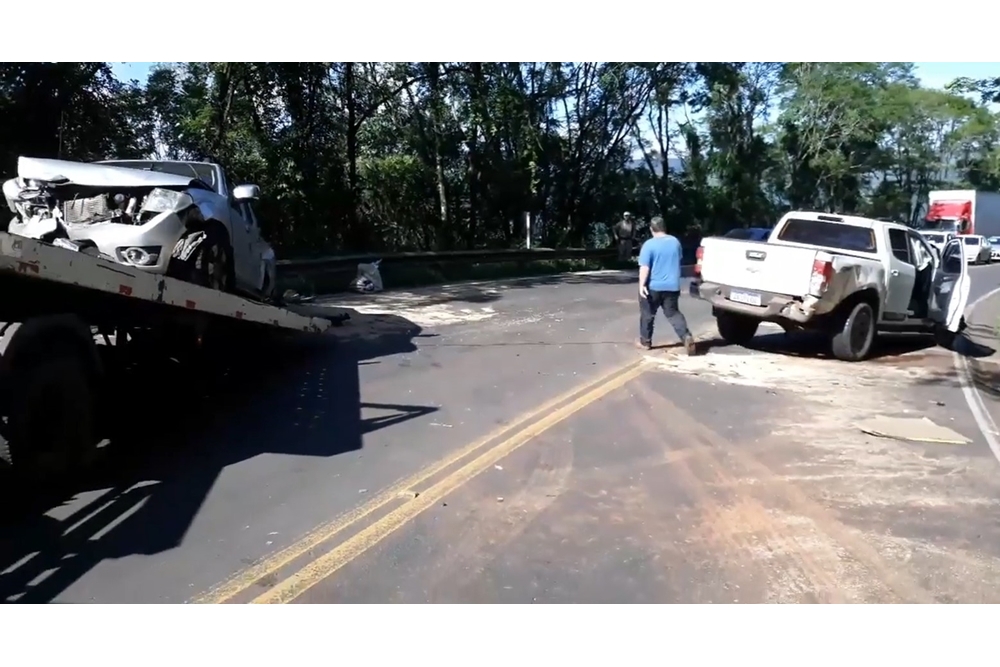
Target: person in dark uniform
{"points": [[625, 233]]}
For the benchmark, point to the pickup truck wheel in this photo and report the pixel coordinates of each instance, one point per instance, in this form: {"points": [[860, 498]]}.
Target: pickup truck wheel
{"points": [[736, 329], [50, 422], [212, 262], [853, 341]]}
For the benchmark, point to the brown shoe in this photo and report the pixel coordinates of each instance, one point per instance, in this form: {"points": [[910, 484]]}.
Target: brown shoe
{"points": [[690, 346], [643, 346]]}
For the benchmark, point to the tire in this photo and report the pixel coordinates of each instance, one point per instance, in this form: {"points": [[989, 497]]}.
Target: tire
{"points": [[51, 417], [211, 265], [853, 339], [736, 329]]}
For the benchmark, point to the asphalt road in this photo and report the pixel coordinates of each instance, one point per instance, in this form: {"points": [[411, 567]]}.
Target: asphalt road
{"points": [[507, 443], [226, 467], [984, 279]]}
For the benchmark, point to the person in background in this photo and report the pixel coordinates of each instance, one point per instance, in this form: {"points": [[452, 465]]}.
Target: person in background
{"points": [[660, 286], [625, 233]]}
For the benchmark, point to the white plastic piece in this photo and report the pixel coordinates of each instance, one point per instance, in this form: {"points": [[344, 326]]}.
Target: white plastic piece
{"points": [[368, 279]]}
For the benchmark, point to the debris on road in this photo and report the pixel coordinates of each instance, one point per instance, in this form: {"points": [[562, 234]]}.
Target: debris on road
{"points": [[290, 296], [914, 430], [368, 279]]}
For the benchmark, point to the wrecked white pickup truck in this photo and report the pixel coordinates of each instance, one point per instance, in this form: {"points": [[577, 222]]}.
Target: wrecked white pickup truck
{"points": [[849, 277], [165, 217]]}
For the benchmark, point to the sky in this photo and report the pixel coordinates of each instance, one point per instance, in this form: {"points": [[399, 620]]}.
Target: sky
{"points": [[932, 75], [938, 75]]}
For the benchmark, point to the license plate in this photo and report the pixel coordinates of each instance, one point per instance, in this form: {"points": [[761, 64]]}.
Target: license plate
{"points": [[749, 298]]}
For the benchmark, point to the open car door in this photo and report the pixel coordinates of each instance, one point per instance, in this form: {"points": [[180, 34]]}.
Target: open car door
{"points": [[951, 286]]}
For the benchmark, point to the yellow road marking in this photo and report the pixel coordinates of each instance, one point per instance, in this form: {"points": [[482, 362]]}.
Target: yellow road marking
{"points": [[245, 579], [329, 563]]}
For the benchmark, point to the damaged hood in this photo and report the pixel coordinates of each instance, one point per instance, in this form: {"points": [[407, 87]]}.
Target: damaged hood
{"points": [[99, 175]]}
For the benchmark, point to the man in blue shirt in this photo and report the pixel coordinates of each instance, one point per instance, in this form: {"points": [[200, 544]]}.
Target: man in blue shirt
{"points": [[660, 286]]}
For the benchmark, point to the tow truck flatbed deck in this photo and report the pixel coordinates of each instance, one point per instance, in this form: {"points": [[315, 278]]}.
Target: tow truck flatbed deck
{"points": [[69, 324], [35, 260]]}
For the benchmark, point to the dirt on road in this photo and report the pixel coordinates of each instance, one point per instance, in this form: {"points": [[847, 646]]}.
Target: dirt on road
{"points": [[737, 476]]}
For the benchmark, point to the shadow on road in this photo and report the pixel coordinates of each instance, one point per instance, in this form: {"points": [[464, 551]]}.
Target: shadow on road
{"points": [[887, 347], [177, 428], [984, 373]]}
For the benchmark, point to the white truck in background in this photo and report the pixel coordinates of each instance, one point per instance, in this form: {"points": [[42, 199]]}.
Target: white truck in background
{"points": [[963, 212], [849, 277]]}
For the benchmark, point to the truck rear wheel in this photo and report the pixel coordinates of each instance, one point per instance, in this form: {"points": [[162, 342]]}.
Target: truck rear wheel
{"points": [[735, 328], [50, 421], [852, 339]]}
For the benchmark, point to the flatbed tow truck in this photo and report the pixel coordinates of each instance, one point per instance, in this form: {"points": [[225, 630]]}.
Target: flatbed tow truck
{"points": [[62, 312]]}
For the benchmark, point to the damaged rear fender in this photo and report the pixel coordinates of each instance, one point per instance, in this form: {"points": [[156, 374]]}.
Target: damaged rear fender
{"points": [[851, 280]]}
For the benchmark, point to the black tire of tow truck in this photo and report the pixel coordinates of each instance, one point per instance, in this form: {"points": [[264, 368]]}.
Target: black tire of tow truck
{"points": [[854, 338], [51, 416], [736, 329]]}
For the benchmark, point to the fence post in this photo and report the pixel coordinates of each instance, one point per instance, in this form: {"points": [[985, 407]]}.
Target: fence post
{"points": [[527, 228]]}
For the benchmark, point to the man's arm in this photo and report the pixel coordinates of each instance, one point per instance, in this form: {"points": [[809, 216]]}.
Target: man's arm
{"points": [[643, 275], [643, 269]]}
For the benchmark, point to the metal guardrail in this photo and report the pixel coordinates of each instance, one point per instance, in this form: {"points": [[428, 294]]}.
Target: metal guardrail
{"points": [[336, 273], [342, 262]]}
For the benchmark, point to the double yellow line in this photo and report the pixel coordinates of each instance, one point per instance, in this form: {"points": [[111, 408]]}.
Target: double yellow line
{"points": [[488, 450]]}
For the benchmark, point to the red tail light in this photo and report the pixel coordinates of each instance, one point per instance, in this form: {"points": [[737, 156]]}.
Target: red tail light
{"points": [[698, 255], [821, 274]]}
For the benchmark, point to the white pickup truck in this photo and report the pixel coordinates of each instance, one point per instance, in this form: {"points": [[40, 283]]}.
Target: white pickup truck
{"points": [[849, 277]]}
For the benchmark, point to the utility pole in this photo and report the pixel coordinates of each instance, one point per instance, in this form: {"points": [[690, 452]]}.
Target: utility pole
{"points": [[62, 123]]}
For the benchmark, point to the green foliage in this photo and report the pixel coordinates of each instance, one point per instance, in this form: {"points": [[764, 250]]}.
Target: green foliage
{"points": [[406, 156]]}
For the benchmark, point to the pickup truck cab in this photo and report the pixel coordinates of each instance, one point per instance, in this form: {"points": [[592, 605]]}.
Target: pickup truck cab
{"points": [[847, 276]]}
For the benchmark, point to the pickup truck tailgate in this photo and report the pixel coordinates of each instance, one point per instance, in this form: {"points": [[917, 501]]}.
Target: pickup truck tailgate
{"points": [[754, 265]]}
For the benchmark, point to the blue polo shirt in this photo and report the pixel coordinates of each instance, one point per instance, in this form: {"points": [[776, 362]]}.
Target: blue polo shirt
{"points": [[663, 257]]}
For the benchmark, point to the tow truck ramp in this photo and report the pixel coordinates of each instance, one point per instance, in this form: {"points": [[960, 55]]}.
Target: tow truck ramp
{"points": [[28, 258]]}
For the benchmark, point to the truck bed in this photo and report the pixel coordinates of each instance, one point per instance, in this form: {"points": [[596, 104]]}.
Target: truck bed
{"points": [[758, 265], [33, 263]]}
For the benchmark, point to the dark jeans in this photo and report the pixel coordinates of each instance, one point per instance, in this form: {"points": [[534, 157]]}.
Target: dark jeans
{"points": [[647, 314]]}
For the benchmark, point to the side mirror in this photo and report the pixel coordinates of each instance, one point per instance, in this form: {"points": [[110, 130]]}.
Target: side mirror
{"points": [[246, 192]]}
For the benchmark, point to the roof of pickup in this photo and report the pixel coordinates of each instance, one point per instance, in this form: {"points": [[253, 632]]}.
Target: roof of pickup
{"points": [[857, 221]]}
